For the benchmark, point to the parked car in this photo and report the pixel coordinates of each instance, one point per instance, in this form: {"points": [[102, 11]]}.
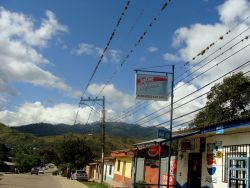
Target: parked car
{"points": [[34, 171], [79, 175], [40, 171]]}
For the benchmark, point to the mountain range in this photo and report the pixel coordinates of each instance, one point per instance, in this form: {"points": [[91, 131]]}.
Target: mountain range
{"points": [[116, 129]]}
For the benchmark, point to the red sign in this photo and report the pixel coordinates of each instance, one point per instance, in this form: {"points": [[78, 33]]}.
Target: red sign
{"points": [[173, 166], [153, 151], [165, 180]]}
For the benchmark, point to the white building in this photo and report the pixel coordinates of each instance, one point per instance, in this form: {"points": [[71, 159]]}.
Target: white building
{"points": [[215, 156]]}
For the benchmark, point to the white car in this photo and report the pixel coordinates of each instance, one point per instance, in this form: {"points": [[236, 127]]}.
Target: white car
{"points": [[40, 171], [79, 175]]}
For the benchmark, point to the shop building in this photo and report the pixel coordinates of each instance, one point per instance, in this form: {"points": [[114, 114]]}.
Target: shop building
{"points": [[214, 156]]}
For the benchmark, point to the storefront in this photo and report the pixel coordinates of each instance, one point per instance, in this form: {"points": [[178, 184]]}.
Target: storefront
{"points": [[151, 164], [215, 157]]}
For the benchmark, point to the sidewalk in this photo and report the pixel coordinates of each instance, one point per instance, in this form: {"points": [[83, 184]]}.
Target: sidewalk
{"points": [[67, 183]]}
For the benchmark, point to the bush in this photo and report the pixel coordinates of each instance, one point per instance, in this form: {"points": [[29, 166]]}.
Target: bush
{"points": [[140, 184]]}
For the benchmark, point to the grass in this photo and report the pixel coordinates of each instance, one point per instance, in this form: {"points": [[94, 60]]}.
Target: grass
{"points": [[94, 184]]}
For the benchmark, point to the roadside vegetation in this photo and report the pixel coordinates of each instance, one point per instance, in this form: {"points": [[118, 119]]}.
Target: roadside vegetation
{"points": [[94, 184], [226, 101], [70, 150]]}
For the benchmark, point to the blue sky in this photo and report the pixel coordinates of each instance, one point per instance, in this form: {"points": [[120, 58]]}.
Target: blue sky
{"points": [[50, 48]]}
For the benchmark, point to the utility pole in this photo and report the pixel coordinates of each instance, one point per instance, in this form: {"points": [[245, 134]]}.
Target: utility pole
{"points": [[103, 135], [171, 126], [83, 101]]}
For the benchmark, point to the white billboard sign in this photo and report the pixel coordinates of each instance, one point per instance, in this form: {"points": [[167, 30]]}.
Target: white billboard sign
{"points": [[151, 87]]}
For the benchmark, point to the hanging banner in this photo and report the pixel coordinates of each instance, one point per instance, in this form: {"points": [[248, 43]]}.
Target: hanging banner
{"points": [[151, 87]]}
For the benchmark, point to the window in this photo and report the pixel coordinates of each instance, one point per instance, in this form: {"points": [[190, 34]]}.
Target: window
{"points": [[233, 151], [119, 165], [110, 169]]}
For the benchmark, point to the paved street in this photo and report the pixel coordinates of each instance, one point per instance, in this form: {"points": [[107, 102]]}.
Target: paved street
{"points": [[34, 181]]}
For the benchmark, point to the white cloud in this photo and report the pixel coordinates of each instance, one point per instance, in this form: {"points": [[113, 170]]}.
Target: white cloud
{"points": [[233, 11], [84, 48], [20, 26], [152, 49], [191, 40], [171, 57], [36, 112], [111, 55], [116, 99], [20, 60]]}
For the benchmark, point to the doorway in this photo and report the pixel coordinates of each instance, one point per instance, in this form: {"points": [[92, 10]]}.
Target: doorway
{"points": [[194, 170]]}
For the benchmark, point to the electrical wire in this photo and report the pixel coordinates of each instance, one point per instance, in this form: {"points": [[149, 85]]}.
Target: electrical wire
{"points": [[221, 38], [230, 48], [182, 99], [113, 33], [239, 67]]}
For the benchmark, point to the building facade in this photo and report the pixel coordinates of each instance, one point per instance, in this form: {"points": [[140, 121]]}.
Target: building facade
{"points": [[109, 166], [123, 166], [215, 157]]}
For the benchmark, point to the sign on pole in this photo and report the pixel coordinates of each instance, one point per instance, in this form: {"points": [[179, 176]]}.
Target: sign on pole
{"points": [[151, 87]]}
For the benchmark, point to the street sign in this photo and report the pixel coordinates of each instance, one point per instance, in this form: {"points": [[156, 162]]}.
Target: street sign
{"points": [[163, 133]]}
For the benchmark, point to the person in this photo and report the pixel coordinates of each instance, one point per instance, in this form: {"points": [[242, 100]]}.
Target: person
{"points": [[68, 173]]}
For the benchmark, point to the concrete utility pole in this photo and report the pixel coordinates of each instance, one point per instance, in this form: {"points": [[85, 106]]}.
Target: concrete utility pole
{"points": [[83, 101]]}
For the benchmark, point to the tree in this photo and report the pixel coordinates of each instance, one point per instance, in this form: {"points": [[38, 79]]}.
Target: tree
{"points": [[74, 152], [4, 151], [226, 101], [49, 156]]}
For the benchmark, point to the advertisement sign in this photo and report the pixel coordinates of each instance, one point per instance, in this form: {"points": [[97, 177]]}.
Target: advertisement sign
{"points": [[153, 151], [165, 180], [151, 87]]}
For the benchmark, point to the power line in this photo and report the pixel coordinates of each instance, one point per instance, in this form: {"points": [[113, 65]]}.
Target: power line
{"points": [[230, 48], [190, 94], [113, 33], [131, 29], [221, 38], [107, 45], [211, 55], [239, 67], [139, 40], [204, 94], [218, 49]]}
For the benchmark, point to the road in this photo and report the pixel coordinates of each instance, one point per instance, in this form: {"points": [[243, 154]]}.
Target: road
{"points": [[37, 181]]}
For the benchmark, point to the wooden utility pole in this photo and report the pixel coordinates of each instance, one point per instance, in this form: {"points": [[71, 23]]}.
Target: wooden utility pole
{"points": [[83, 102]]}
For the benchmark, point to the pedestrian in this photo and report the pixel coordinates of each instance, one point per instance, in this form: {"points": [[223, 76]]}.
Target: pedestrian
{"points": [[68, 173]]}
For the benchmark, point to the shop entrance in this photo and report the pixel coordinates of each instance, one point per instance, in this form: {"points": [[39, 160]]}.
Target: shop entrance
{"points": [[194, 170]]}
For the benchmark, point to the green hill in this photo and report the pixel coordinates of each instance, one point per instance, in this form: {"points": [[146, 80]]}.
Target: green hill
{"points": [[14, 138], [115, 129]]}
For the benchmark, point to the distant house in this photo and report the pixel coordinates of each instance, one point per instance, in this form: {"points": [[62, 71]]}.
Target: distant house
{"points": [[123, 166], [109, 165], [215, 156], [94, 171]]}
